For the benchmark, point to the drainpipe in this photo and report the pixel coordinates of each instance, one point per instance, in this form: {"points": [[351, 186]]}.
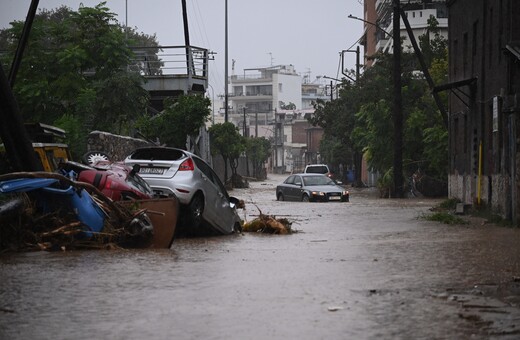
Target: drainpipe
{"points": [[512, 145], [479, 184]]}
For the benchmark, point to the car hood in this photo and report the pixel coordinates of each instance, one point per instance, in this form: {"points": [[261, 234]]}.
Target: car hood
{"points": [[324, 188]]}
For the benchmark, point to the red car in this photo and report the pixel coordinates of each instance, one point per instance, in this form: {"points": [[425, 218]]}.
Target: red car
{"points": [[114, 179]]}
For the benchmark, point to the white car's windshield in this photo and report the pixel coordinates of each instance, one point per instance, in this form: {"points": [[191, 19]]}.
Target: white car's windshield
{"points": [[317, 180]]}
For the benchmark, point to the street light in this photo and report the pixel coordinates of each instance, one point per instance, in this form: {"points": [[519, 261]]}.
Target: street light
{"points": [[350, 16], [331, 86], [332, 78]]}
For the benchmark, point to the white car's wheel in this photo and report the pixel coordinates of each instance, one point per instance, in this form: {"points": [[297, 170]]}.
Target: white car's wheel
{"points": [[196, 208], [93, 157]]}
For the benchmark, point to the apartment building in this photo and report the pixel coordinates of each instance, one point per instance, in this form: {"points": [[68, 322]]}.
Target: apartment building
{"points": [[273, 102], [378, 31]]}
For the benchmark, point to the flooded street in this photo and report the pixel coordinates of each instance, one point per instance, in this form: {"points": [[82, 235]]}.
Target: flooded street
{"points": [[366, 269]]}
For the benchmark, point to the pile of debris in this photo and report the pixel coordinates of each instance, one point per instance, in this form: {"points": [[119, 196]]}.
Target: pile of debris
{"points": [[48, 211], [268, 224]]}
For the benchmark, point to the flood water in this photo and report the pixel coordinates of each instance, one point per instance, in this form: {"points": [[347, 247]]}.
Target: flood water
{"points": [[367, 269]]}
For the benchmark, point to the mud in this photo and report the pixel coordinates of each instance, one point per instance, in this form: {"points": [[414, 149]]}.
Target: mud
{"points": [[368, 269]]}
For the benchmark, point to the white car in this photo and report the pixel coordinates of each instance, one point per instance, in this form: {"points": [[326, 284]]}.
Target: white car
{"points": [[318, 169], [203, 198]]}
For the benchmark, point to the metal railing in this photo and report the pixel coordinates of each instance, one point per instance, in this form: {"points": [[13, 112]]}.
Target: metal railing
{"points": [[170, 60]]}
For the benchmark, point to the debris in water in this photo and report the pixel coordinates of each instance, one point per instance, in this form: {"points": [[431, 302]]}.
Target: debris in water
{"points": [[37, 214], [268, 224], [334, 308]]}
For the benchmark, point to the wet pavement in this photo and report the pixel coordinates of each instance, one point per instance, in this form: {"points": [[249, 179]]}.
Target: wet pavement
{"points": [[368, 269]]}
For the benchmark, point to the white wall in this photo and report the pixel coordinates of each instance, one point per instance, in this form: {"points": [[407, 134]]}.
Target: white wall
{"points": [[291, 91]]}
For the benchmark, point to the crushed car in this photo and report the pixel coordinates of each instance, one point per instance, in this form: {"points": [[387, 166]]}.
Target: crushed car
{"points": [[205, 203]]}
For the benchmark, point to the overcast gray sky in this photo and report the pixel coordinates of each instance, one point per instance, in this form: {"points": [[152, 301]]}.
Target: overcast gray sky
{"points": [[308, 34]]}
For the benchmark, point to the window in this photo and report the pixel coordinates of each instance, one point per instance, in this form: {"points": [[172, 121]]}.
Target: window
{"points": [[290, 180], [280, 88], [238, 90]]}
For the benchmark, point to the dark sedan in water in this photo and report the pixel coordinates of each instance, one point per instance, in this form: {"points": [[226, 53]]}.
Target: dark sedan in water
{"points": [[311, 188]]}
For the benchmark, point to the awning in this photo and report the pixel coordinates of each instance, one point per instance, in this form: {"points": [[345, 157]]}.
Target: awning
{"points": [[514, 50], [454, 85]]}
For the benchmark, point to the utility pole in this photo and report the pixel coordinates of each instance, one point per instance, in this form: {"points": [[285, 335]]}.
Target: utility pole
{"points": [[275, 142], [398, 104], [425, 70], [189, 61], [357, 63], [244, 124], [17, 144], [226, 95], [245, 136], [256, 124]]}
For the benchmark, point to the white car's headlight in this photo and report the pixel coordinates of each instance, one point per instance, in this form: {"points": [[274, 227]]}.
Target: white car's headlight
{"points": [[318, 193]]}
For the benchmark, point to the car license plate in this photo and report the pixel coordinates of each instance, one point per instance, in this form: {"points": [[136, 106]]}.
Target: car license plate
{"points": [[153, 171], [334, 198]]}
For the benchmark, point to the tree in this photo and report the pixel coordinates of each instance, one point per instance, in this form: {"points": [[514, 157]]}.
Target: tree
{"points": [[290, 106], [227, 142], [338, 119], [75, 72], [359, 122], [182, 118], [258, 150]]}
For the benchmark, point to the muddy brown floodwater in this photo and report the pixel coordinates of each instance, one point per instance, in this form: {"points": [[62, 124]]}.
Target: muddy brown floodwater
{"points": [[367, 269]]}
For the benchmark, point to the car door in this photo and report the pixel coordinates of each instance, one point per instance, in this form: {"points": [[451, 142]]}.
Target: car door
{"points": [[210, 191], [217, 211], [287, 188], [296, 190]]}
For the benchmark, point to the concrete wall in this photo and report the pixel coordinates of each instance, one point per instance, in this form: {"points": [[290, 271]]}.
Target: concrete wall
{"points": [[494, 192], [115, 146]]}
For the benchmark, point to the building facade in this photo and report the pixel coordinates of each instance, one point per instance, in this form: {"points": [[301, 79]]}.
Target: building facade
{"points": [[378, 30], [484, 88], [273, 102]]}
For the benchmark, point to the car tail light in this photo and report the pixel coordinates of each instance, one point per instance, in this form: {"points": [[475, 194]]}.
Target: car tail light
{"points": [[111, 185], [187, 165]]}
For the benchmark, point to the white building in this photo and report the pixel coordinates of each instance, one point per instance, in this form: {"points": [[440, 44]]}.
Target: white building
{"points": [[418, 13], [264, 91], [267, 102]]}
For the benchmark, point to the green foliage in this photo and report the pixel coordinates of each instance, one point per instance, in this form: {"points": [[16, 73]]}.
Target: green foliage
{"points": [[258, 150], [290, 106], [449, 204], [227, 142], [74, 69], [373, 130], [75, 139], [385, 183], [444, 217], [181, 118], [433, 45], [360, 120]]}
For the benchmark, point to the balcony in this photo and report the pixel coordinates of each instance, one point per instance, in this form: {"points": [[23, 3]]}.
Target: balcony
{"points": [[171, 70]]}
